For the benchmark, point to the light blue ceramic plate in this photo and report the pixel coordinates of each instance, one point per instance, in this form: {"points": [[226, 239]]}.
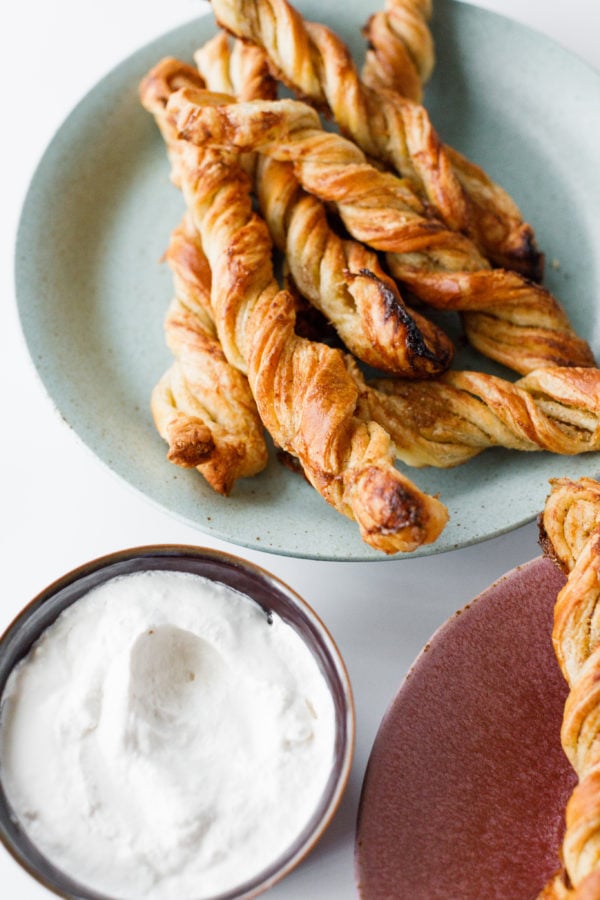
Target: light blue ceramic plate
{"points": [[92, 291]]}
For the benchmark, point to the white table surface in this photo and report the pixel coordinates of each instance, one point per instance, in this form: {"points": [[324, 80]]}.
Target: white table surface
{"points": [[61, 507]]}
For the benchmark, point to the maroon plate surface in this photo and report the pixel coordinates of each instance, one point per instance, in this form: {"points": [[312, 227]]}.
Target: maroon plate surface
{"points": [[466, 785]]}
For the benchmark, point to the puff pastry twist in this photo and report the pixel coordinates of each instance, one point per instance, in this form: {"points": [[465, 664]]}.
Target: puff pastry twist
{"points": [[571, 528], [203, 406], [571, 515], [317, 65], [306, 396], [401, 53], [345, 280], [341, 278], [447, 421], [506, 317]]}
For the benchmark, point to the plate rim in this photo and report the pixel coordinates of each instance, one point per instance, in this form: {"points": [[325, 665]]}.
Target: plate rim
{"points": [[420, 667]]}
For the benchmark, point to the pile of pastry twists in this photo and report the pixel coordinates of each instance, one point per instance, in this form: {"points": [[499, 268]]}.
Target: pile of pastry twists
{"points": [[368, 222], [570, 535]]}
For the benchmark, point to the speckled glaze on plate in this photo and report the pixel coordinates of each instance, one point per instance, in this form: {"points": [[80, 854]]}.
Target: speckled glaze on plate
{"points": [[92, 292], [466, 785]]}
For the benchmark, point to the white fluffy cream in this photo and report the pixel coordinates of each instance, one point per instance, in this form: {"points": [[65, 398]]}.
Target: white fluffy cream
{"points": [[163, 740]]}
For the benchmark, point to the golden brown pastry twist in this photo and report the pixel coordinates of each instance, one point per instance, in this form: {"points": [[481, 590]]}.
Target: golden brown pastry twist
{"points": [[202, 406], [571, 519], [401, 53], [315, 62], [507, 317], [449, 420], [571, 514], [305, 394], [341, 278], [344, 279]]}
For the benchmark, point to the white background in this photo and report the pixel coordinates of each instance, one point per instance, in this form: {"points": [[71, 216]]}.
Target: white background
{"points": [[60, 507]]}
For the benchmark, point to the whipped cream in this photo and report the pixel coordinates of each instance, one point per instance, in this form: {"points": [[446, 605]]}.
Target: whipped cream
{"points": [[165, 738]]}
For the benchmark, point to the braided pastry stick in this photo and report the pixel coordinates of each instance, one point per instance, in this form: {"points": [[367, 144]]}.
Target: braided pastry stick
{"points": [[341, 278], [311, 59], [344, 280], [202, 406], [241, 70], [508, 318], [390, 33], [449, 420], [571, 515], [571, 528], [401, 55], [306, 396]]}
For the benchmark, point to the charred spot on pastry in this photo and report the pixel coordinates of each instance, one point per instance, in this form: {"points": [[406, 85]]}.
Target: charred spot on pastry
{"points": [[416, 343], [405, 510], [391, 503], [525, 257]]}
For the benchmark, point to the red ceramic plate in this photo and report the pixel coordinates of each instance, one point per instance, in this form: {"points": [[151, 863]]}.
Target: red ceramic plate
{"points": [[466, 785]]}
